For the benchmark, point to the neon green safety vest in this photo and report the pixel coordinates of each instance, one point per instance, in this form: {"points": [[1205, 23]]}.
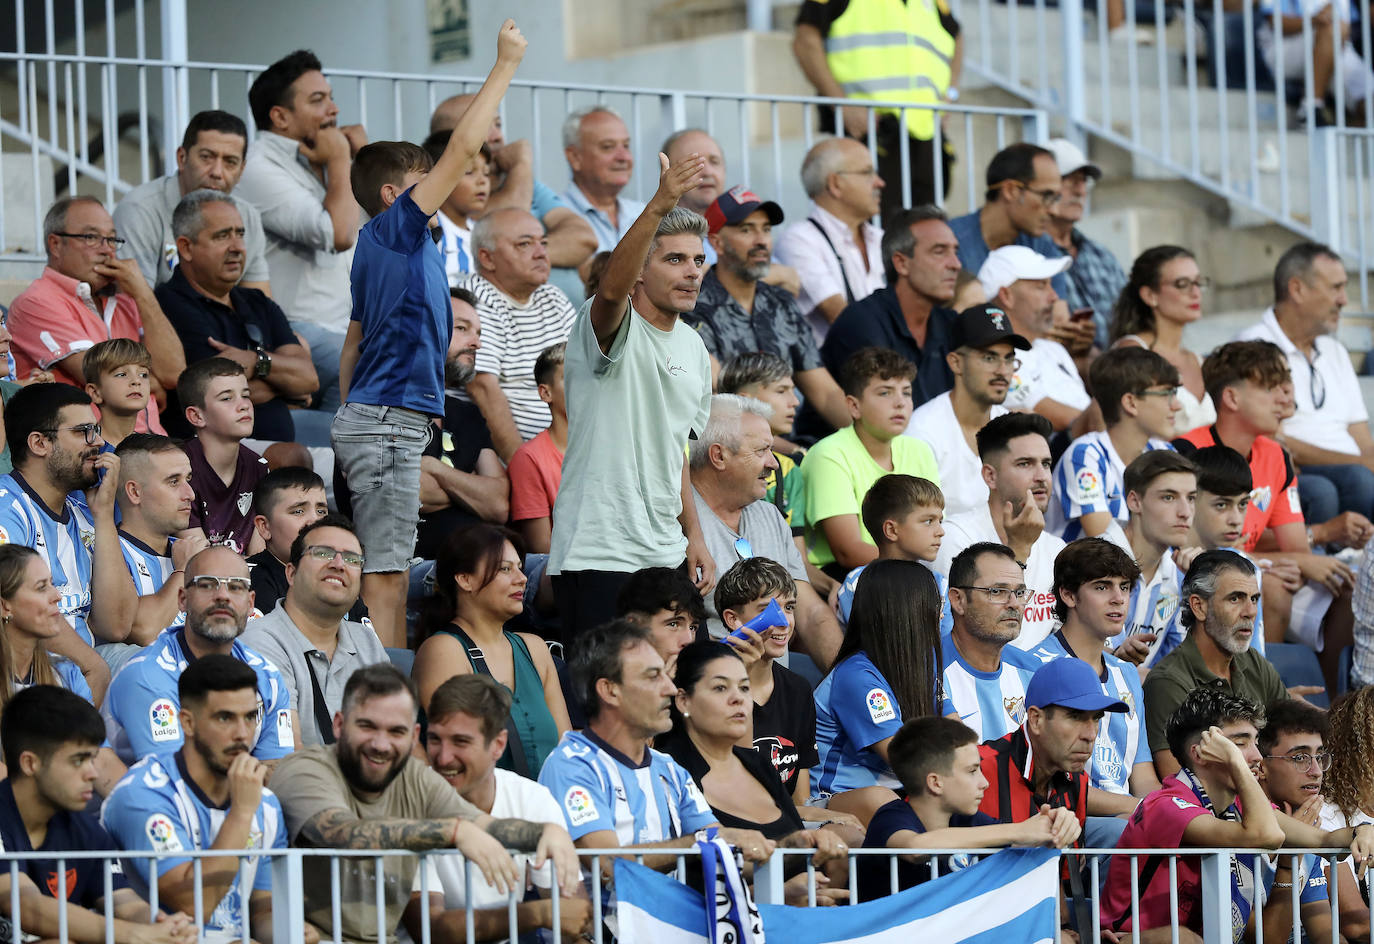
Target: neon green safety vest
{"points": [[887, 50]]}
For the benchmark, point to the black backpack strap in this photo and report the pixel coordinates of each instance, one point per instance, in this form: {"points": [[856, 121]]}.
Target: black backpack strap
{"points": [[323, 720], [479, 665], [848, 292], [1152, 864]]}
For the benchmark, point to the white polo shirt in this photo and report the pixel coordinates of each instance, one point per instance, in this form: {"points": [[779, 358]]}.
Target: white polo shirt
{"points": [[1047, 370], [1328, 379], [961, 471]]}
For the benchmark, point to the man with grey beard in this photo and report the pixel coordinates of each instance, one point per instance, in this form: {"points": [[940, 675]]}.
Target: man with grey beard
{"points": [[738, 311], [1220, 600], [142, 705], [462, 480]]}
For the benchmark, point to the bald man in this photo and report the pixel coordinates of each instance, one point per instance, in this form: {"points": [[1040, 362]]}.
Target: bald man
{"points": [[571, 240], [836, 248]]}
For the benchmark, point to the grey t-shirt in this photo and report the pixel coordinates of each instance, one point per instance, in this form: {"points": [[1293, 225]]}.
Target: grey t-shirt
{"points": [[310, 782], [768, 534], [277, 639], [630, 413], [144, 218]]}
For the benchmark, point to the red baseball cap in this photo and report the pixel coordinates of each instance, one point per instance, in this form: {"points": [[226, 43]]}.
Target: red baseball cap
{"points": [[735, 204]]}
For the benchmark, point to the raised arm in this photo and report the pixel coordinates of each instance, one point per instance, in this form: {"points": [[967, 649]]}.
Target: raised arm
{"points": [[471, 130], [623, 269]]}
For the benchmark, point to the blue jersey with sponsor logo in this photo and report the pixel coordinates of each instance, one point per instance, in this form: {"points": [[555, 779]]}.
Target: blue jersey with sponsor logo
{"points": [[600, 788], [855, 709], [148, 568], [991, 703], [64, 539], [157, 807], [141, 706], [1121, 741], [844, 600], [1090, 477]]}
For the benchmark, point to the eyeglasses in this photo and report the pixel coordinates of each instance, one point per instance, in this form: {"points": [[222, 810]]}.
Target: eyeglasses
{"points": [[326, 553], [90, 430], [1167, 393], [91, 240], [1000, 595], [993, 361], [1202, 284], [744, 549], [1303, 760], [1047, 197], [210, 583], [1316, 383]]}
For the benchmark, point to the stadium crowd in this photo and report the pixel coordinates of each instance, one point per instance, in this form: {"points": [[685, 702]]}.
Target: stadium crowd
{"points": [[933, 535]]}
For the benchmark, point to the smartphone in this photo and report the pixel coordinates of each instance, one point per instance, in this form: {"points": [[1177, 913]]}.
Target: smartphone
{"points": [[1081, 314]]}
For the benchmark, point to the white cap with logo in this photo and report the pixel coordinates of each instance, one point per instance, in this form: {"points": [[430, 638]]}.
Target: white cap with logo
{"points": [[1013, 263], [1069, 157]]}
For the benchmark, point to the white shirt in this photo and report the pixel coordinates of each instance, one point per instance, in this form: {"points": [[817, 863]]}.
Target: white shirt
{"points": [[1330, 373], [826, 268], [460, 259], [961, 471], [974, 526], [516, 798], [1047, 370]]}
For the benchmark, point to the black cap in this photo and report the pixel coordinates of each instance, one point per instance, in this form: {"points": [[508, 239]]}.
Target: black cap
{"points": [[983, 326]]}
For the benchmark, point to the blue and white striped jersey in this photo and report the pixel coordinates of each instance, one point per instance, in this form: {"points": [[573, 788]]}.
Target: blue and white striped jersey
{"points": [[148, 568], [157, 807], [141, 705], [991, 703], [600, 788], [1121, 741], [65, 541], [1089, 478], [1154, 609], [844, 600]]}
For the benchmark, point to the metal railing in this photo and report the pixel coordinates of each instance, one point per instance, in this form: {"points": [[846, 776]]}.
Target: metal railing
{"points": [[288, 885], [66, 101]]}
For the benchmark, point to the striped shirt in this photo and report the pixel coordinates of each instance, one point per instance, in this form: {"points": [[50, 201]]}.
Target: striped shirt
{"points": [[149, 569], [513, 336], [1121, 741], [1090, 477], [993, 704], [64, 540], [1154, 609]]}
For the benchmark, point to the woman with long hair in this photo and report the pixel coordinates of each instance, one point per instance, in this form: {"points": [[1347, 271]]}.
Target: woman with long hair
{"points": [[1162, 296], [1349, 785], [711, 717], [478, 588], [887, 672]]}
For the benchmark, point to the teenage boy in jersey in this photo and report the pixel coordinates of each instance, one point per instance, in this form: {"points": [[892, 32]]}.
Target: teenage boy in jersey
{"points": [[1092, 582], [941, 771], [141, 711], [984, 676], [1161, 489], [51, 737], [606, 776], [154, 501], [208, 794], [391, 371], [1138, 393]]}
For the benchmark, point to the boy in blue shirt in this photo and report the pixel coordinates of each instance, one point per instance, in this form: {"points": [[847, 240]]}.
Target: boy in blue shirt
{"points": [[391, 373]]}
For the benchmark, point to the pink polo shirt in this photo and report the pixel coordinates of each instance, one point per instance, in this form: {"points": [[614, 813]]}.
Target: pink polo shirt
{"points": [[49, 321]]}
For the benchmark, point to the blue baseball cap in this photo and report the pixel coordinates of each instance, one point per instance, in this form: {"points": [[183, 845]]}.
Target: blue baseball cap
{"points": [[1069, 683]]}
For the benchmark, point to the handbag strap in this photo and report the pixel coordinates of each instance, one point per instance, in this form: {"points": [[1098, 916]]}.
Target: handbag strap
{"points": [[322, 717]]}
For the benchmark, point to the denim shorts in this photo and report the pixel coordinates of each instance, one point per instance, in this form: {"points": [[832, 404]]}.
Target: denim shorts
{"points": [[379, 448]]}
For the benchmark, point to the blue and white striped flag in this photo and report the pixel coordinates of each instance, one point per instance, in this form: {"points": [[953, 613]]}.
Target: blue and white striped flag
{"points": [[1010, 896]]}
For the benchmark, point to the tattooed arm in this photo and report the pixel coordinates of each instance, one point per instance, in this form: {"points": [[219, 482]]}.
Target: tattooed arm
{"points": [[546, 840]]}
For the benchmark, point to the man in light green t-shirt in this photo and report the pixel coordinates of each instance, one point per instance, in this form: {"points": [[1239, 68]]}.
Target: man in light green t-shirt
{"points": [[839, 469], [638, 385]]}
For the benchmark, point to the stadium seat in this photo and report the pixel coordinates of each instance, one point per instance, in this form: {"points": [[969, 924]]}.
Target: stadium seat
{"points": [[403, 659], [1298, 665]]}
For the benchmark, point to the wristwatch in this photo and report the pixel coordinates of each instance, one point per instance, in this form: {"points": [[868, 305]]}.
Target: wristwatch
{"points": [[264, 365]]}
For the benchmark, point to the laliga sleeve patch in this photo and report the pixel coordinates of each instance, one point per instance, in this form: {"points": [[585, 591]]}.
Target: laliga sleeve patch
{"points": [[1183, 804], [1088, 485], [579, 806], [880, 706], [4, 536], [162, 834], [1294, 502], [162, 721], [285, 733]]}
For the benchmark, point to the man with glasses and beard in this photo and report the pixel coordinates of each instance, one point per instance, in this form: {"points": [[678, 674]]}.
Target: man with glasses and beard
{"points": [[364, 792], [1220, 599], [462, 480], [55, 442], [141, 712], [210, 797]]}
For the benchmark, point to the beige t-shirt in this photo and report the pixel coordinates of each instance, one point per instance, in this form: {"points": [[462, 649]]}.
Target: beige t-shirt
{"points": [[308, 783]]}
